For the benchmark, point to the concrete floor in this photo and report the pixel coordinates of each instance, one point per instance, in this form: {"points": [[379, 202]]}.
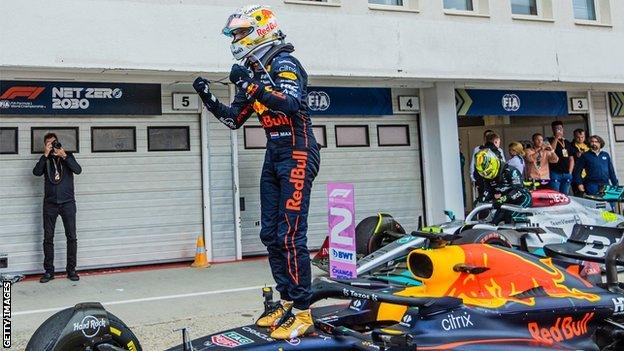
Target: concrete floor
{"points": [[153, 303]]}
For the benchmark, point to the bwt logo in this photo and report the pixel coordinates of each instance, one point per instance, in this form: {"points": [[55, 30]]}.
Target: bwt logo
{"points": [[30, 93], [511, 102], [342, 255], [318, 100]]}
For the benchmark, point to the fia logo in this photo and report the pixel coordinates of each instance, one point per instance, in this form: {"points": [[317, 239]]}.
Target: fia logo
{"points": [[318, 101], [618, 306], [511, 102]]}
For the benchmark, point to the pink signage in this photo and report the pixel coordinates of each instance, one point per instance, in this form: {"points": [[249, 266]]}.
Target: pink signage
{"points": [[341, 208]]}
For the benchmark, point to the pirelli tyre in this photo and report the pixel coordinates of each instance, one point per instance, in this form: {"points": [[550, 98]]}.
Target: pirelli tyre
{"points": [[483, 236], [375, 232], [81, 328]]}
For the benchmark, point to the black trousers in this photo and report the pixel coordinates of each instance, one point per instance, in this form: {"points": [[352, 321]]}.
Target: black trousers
{"points": [[67, 211]]}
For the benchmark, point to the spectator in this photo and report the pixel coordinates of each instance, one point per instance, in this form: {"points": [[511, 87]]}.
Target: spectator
{"points": [[579, 147], [58, 168], [561, 170], [516, 151], [538, 158], [598, 166]]}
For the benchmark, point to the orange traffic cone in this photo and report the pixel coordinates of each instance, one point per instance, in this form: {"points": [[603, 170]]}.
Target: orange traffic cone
{"points": [[201, 260]]}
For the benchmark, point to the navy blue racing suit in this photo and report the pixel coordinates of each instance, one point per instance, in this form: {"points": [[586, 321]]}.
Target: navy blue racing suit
{"points": [[291, 163]]}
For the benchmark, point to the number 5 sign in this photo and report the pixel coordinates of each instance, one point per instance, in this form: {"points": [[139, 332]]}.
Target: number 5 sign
{"points": [[184, 101], [342, 254]]}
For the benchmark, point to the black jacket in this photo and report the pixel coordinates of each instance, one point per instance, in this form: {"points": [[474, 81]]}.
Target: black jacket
{"points": [[508, 183], [62, 191]]}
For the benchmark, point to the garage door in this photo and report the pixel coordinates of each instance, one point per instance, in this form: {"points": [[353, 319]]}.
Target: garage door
{"points": [[139, 196], [380, 156]]}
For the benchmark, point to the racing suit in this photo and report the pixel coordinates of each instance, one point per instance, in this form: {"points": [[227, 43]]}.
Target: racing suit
{"points": [[509, 185], [291, 163]]}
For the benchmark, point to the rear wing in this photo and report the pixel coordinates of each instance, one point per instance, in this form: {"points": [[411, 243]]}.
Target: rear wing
{"points": [[587, 243]]}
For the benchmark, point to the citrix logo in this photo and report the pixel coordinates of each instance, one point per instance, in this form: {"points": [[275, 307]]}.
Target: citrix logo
{"points": [[453, 322]]}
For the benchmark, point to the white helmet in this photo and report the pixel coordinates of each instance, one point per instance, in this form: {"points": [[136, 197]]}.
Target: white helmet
{"points": [[251, 27]]}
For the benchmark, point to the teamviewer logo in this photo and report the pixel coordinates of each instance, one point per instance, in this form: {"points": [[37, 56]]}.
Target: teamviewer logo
{"points": [[30, 93]]}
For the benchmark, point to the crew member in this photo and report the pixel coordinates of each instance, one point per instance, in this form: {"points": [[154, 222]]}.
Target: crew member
{"points": [[598, 167]]}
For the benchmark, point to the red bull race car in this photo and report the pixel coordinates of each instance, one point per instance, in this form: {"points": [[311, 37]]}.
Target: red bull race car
{"points": [[471, 297], [553, 218]]}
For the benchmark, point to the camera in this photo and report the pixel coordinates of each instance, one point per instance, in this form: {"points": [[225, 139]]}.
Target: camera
{"points": [[56, 144]]}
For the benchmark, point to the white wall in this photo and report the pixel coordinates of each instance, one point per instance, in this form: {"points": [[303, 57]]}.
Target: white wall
{"points": [[349, 40]]}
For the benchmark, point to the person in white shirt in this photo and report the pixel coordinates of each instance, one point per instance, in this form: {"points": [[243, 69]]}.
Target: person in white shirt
{"points": [[516, 153]]}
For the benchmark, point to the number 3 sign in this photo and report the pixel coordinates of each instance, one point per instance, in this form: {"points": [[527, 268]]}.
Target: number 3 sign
{"points": [[342, 253]]}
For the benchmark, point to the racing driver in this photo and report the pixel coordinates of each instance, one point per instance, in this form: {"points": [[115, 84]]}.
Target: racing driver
{"points": [[502, 184], [272, 84]]}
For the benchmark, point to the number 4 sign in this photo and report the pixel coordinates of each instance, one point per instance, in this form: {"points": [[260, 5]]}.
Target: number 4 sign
{"points": [[409, 103], [342, 253]]}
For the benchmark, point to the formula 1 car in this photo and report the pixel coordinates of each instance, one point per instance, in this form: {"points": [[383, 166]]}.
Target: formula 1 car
{"points": [[552, 219], [473, 297]]}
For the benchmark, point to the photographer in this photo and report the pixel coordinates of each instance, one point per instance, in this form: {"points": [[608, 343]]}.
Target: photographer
{"points": [[58, 168]]}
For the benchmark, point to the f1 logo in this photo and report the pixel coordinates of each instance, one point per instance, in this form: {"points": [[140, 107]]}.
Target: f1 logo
{"points": [[340, 193], [25, 92]]}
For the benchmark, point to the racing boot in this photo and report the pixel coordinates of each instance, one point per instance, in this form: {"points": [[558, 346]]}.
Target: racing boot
{"points": [[271, 316], [294, 326]]}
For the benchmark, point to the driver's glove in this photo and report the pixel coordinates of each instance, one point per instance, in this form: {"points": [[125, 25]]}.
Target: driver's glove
{"points": [[202, 87]]}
